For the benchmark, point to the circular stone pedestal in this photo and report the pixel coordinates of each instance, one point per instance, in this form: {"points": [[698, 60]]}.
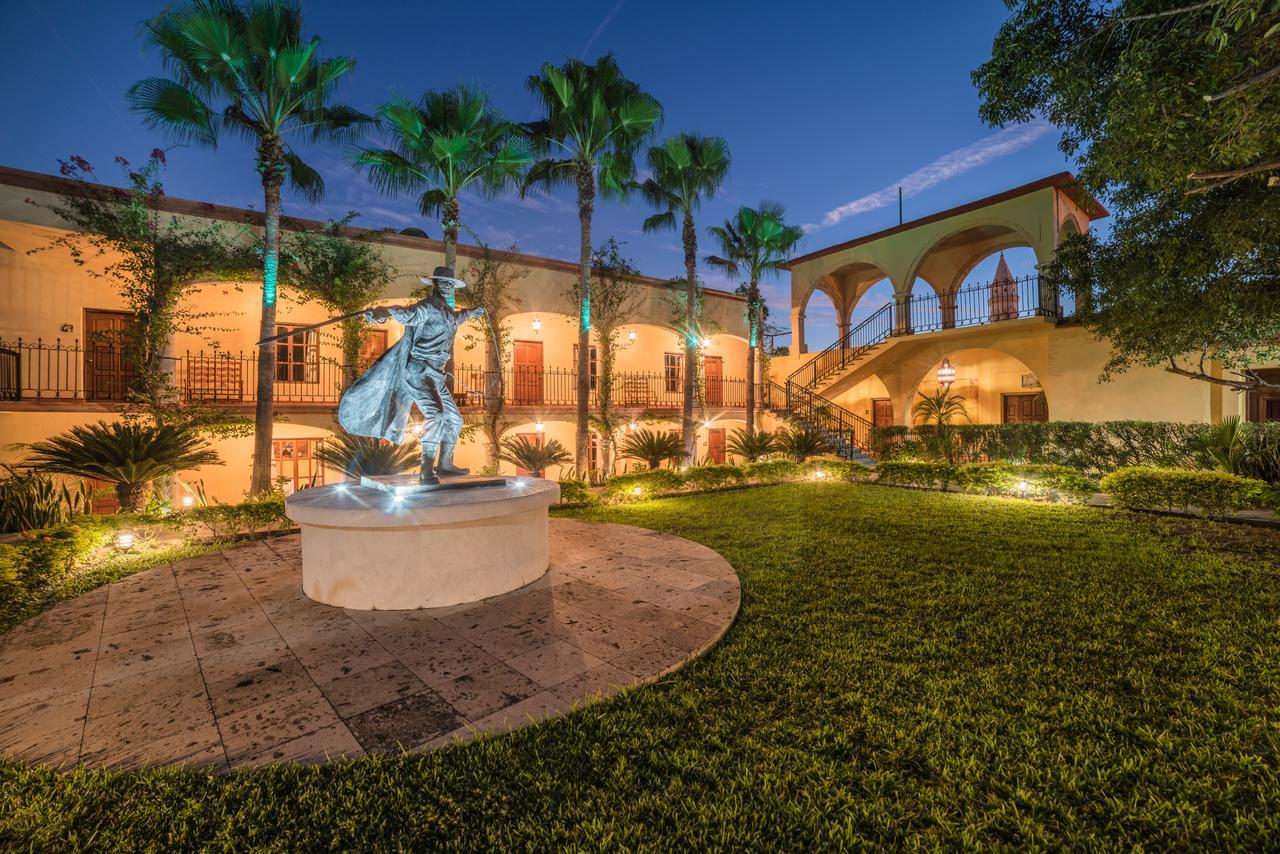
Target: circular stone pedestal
{"points": [[372, 549]]}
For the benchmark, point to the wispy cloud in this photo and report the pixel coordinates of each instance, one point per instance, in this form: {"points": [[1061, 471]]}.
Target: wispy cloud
{"points": [[595, 34], [953, 163]]}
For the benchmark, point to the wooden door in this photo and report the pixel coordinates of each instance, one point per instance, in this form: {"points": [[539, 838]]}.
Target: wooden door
{"points": [[881, 412], [1021, 408], [294, 460], [713, 376], [1264, 403], [528, 373], [715, 444], [372, 345], [108, 373]]}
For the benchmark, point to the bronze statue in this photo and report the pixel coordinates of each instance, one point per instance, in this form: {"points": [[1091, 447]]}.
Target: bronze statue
{"points": [[412, 372]]}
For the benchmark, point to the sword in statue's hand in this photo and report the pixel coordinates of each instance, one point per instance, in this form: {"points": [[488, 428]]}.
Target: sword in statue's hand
{"points": [[298, 330]]}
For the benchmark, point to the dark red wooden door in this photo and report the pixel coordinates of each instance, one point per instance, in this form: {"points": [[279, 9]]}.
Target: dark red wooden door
{"points": [[108, 372], [528, 373], [713, 375]]}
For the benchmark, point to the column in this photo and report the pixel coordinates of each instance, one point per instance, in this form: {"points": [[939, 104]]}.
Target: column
{"points": [[797, 331], [902, 313]]}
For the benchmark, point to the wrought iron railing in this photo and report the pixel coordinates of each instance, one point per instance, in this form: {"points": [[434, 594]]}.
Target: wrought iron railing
{"points": [[850, 348], [69, 371], [843, 428]]}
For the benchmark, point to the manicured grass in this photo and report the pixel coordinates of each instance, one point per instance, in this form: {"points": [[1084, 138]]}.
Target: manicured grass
{"points": [[908, 668]]}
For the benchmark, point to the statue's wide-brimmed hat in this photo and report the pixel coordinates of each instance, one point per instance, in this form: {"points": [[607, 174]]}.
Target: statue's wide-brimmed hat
{"points": [[444, 274]]}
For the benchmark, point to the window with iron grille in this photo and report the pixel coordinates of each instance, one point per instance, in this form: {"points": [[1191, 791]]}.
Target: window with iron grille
{"points": [[593, 364]]}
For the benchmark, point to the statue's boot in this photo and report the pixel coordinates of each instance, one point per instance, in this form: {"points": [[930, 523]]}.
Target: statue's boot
{"points": [[427, 473], [446, 466]]}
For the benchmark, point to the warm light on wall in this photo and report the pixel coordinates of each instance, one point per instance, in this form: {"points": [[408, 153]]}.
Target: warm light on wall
{"points": [[539, 427], [946, 373], [631, 335], [706, 342], [537, 325], [188, 502]]}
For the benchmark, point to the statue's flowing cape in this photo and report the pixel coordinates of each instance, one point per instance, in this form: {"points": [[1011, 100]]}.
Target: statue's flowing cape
{"points": [[378, 403]]}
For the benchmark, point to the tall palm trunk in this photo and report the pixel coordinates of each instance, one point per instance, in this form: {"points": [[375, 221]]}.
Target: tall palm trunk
{"points": [[272, 168], [753, 325], [687, 435], [449, 224], [494, 391], [586, 203]]}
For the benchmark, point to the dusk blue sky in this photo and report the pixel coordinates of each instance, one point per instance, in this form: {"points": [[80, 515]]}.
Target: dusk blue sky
{"points": [[824, 105]]}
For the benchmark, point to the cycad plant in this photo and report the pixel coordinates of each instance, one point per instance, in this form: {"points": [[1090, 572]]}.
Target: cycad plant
{"points": [[595, 122], [248, 69], [801, 442], [523, 452], [446, 142], [652, 447], [755, 243], [752, 445], [940, 411], [360, 456], [687, 168], [128, 454]]}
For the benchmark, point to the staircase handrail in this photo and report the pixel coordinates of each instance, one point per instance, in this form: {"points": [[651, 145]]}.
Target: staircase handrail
{"points": [[849, 348], [828, 415]]}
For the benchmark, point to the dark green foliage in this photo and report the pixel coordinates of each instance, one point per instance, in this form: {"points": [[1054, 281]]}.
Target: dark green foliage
{"points": [[643, 484], [1172, 110], [1091, 447], [1243, 448], [1041, 480], [235, 520], [575, 491], [534, 458], [838, 470], [357, 456], [713, 476], [129, 454], [31, 500], [928, 475], [752, 445], [1213, 493], [651, 447], [798, 443], [772, 471], [909, 670]]}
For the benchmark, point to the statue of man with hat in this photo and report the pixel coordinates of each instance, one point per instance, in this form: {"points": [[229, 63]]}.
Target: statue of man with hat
{"points": [[412, 372]]}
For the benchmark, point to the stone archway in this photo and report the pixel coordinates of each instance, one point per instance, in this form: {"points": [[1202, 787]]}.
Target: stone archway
{"points": [[986, 376]]}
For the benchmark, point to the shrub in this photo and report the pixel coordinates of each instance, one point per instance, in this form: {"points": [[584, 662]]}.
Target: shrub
{"points": [[837, 470], [752, 447], [923, 474], [773, 471], [651, 447], [526, 453], [643, 484], [41, 559], [30, 500], [1041, 478], [890, 441], [713, 476], [357, 456], [800, 443], [229, 520], [575, 491], [1214, 493]]}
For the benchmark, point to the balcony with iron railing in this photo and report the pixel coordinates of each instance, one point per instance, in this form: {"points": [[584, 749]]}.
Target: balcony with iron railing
{"points": [[68, 374]]}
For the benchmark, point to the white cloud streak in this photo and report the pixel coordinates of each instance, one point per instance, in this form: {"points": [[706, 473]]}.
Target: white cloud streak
{"points": [[950, 165], [595, 34]]}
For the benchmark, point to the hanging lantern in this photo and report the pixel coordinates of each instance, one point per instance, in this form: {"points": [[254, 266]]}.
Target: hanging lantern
{"points": [[946, 373]]}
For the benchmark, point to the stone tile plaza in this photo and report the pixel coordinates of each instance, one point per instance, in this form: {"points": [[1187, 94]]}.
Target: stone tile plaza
{"points": [[640, 426]]}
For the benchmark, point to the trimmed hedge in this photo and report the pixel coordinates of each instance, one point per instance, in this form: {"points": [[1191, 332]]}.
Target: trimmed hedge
{"points": [[921, 474], [643, 484], [773, 471], [226, 520], [713, 476], [1212, 493], [1042, 479], [837, 470], [1091, 447], [575, 491]]}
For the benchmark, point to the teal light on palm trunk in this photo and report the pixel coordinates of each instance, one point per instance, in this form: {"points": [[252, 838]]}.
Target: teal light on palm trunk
{"points": [[586, 314], [269, 267]]}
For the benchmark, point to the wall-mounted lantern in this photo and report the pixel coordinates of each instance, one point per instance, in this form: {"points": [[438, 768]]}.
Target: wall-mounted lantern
{"points": [[537, 325], [946, 373]]}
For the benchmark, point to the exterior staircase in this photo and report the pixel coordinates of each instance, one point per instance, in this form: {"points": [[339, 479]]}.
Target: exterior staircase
{"points": [[847, 433]]}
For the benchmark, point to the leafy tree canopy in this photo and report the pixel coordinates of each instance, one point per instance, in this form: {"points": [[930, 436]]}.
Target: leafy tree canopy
{"points": [[1172, 110]]}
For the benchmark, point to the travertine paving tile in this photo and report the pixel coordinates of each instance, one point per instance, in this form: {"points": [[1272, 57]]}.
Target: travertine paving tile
{"points": [[220, 661]]}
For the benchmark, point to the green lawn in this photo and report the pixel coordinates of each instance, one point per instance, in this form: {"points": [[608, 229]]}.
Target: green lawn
{"points": [[908, 668]]}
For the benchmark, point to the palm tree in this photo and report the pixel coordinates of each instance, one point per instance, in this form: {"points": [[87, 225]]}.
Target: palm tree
{"points": [[446, 142], [651, 447], [596, 122], [358, 456], [687, 168], [755, 243], [800, 443], [940, 408], [532, 457], [752, 445], [128, 454], [254, 62]]}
